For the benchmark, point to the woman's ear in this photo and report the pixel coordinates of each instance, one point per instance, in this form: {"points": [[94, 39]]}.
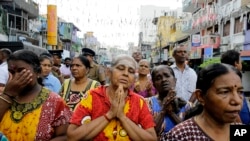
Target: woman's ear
{"points": [[200, 98]]}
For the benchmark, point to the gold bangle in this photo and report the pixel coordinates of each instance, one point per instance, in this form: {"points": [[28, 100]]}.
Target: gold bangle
{"points": [[5, 100]]}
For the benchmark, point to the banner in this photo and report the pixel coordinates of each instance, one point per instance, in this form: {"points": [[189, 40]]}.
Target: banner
{"points": [[208, 53], [52, 25], [196, 40]]}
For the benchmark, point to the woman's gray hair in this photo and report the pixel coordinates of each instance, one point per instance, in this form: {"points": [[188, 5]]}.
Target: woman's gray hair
{"points": [[122, 57]]}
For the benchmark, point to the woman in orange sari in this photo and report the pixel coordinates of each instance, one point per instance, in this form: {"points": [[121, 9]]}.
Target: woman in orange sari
{"points": [[29, 111]]}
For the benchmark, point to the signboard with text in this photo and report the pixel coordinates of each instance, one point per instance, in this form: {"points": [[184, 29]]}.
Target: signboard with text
{"points": [[196, 40]]}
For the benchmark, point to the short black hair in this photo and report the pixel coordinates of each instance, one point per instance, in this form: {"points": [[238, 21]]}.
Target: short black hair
{"points": [[230, 57], [46, 54], [67, 58], [6, 51]]}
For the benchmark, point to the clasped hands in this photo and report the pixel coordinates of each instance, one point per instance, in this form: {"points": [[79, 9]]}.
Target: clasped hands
{"points": [[148, 86], [168, 102], [117, 104]]}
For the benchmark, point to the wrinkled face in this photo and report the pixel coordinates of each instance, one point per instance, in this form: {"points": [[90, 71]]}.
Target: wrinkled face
{"points": [[137, 56], [46, 66], [180, 55], [164, 80], [224, 98], [123, 73], [78, 69], [16, 67], [144, 68]]}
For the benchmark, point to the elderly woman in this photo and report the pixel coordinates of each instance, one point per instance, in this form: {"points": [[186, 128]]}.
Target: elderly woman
{"points": [[113, 112], [74, 89], [166, 108], [29, 111], [143, 85], [219, 92]]}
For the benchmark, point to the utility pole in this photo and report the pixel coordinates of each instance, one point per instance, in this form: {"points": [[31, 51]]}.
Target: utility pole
{"points": [[160, 38]]}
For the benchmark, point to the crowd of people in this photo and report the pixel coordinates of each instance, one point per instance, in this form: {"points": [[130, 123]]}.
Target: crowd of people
{"points": [[42, 98]]}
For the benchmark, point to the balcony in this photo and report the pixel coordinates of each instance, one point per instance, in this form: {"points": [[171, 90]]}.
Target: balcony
{"points": [[225, 40], [205, 17], [189, 6], [238, 38], [204, 1], [26, 5], [210, 40], [237, 4], [230, 8]]}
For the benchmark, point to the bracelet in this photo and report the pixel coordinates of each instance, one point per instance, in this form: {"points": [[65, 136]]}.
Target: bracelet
{"points": [[5, 100], [11, 97], [106, 117]]}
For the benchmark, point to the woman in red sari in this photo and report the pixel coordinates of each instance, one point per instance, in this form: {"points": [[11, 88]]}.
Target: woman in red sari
{"points": [[113, 112]]}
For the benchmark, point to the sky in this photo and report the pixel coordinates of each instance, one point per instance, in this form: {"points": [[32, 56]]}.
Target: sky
{"points": [[114, 22]]}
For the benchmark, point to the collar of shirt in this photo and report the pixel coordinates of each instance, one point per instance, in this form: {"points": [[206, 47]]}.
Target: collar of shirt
{"points": [[175, 66]]}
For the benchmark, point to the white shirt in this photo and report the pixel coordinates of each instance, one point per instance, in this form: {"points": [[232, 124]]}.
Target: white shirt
{"points": [[65, 70], [4, 73], [186, 81]]}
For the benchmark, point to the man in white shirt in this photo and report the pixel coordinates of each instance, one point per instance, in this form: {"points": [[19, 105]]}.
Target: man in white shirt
{"points": [[186, 76], [4, 77], [65, 68]]}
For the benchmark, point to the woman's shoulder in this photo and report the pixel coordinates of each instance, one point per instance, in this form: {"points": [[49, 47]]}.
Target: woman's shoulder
{"points": [[186, 130]]}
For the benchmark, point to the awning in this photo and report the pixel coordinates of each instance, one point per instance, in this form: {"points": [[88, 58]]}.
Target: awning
{"points": [[182, 39], [245, 55]]}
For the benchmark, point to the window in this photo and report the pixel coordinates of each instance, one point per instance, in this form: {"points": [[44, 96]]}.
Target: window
{"points": [[11, 21], [238, 25], [226, 29], [18, 23], [25, 25]]}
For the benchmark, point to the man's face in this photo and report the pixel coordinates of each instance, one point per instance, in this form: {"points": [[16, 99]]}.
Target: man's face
{"points": [[57, 60], [137, 56], [89, 57], [180, 54], [67, 63]]}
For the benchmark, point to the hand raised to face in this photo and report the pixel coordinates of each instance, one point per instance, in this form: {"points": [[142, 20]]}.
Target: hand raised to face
{"points": [[18, 82]]}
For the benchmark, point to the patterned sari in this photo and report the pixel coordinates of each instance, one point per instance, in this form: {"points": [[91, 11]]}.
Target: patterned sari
{"points": [[36, 120]]}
